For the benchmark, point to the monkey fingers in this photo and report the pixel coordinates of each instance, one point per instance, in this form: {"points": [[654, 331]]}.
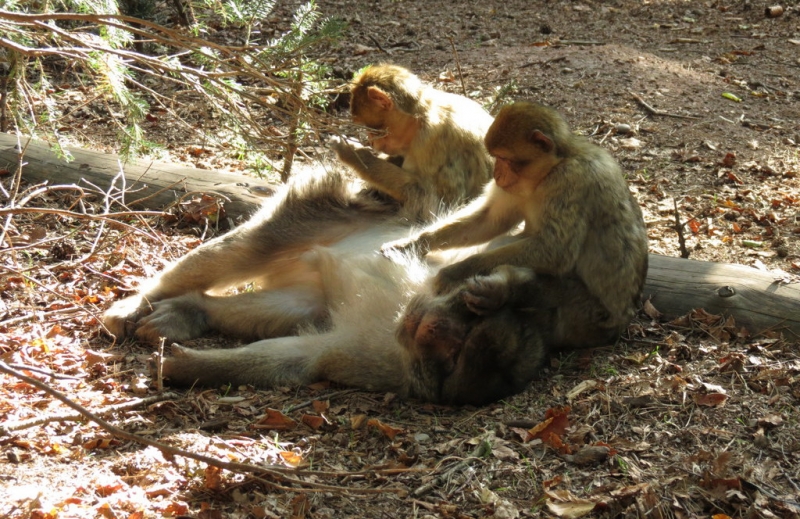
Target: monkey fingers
{"points": [[177, 319], [485, 294], [345, 150]]}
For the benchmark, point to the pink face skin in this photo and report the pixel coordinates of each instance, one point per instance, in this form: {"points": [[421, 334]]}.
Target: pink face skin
{"points": [[385, 142], [505, 173]]}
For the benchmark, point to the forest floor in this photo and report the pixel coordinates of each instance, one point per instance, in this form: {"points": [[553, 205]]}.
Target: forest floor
{"points": [[699, 101]]}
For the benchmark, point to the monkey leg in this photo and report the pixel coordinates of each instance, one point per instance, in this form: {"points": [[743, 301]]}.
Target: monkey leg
{"points": [[579, 320], [252, 315], [486, 294], [223, 261], [266, 248], [345, 356]]}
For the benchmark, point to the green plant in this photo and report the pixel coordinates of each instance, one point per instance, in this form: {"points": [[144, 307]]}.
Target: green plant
{"points": [[89, 43]]}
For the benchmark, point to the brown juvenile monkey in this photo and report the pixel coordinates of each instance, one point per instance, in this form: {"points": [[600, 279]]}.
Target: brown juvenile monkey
{"points": [[582, 227], [439, 136]]}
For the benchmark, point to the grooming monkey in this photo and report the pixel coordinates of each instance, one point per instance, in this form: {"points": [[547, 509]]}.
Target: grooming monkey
{"points": [[440, 139], [583, 234], [439, 135]]}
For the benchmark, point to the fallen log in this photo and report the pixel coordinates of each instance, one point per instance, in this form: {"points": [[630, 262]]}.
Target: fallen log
{"points": [[147, 185], [754, 298], [675, 286]]}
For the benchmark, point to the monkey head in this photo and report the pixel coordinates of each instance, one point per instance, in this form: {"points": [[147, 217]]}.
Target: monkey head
{"points": [[385, 99], [460, 357], [527, 141]]}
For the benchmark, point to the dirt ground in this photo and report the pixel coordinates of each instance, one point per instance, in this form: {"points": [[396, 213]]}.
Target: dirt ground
{"points": [[700, 103]]}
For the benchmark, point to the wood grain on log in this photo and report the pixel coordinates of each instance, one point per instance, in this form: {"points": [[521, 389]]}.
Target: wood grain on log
{"points": [[753, 297], [155, 185]]}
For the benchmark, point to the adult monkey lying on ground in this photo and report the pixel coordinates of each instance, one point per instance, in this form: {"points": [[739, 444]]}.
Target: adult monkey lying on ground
{"points": [[584, 235], [440, 138]]}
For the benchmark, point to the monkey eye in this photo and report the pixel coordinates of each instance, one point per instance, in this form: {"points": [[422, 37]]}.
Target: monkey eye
{"points": [[518, 165]]}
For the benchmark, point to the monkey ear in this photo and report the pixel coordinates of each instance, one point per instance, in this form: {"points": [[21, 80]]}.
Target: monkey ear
{"points": [[379, 97], [542, 140]]}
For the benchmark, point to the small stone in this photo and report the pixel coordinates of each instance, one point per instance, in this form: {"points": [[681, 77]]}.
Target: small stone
{"points": [[623, 129]]}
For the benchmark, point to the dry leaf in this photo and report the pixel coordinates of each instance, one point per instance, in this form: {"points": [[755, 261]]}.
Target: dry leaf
{"points": [[315, 422], [213, 478], [585, 385], [291, 458], [710, 399], [388, 431], [320, 406], [358, 421], [563, 504], [276, 421], [552, 428], [651, 311]]}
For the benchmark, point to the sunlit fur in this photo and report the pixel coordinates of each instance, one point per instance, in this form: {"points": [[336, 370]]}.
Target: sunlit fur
{"points": [[447, 155]]}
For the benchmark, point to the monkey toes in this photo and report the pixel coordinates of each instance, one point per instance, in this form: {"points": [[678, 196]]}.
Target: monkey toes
{"points": [[121, 318], [178, 319]]}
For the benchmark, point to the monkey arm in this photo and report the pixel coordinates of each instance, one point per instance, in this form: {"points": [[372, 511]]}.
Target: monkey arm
{"points": [[379, 173], [486, 218], [549, 245]]}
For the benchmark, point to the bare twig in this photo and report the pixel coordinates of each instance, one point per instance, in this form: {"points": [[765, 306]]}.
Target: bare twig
{"points": [[458, 67], [679, 229], [9, 427], [14, 185], [50, 290], [326, 397], [578, 42], [378, 44], [294, 125], [275, 471], [160, 365], [653, 111], [480, 450], [45, 372], [109, 217]]}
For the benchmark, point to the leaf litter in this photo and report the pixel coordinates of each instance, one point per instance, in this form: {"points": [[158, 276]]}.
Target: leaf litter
{"points": [[682, 418]]}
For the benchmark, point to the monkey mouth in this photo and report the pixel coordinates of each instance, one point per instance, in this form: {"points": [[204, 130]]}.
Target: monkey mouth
{"points": [[505, 179]]}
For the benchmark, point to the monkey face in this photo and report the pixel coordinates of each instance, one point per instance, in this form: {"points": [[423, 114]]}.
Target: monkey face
{"points": [[387, 138], [506, 172]]}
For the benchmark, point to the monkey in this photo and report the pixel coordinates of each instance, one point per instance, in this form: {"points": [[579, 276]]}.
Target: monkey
{"points": [[440, 139], [465, 347], [439, 135], [582, 226]]}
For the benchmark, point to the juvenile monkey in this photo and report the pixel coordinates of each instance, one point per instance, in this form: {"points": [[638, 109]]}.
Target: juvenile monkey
{"points": [[440, 138], [439, 135], [583, 230]]}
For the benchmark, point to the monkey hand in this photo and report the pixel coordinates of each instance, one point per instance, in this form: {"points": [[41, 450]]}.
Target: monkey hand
{"points": [[121, 319], [453, 276], [417, 246], [347, 151], [486, 294]]}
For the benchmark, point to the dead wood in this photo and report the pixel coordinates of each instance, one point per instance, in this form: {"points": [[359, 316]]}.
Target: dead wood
{"points": [[145, 184], [754, 298]]}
